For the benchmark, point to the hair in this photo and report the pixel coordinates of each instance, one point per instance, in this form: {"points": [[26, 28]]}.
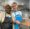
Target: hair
{"points": [[29, 17], [8, 9], [14, 3]]}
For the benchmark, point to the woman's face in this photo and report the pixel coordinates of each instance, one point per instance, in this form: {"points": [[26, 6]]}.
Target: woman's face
{"points": [[14, 6]]}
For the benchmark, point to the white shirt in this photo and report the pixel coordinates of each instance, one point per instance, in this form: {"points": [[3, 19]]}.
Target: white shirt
{"points": [[17, 12]]}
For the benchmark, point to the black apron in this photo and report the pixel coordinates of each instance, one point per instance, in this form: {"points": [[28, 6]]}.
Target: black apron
{"points": [[7, 24]]}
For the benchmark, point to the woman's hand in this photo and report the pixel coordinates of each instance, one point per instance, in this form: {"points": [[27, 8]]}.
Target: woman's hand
{"points": [[17, 22]]}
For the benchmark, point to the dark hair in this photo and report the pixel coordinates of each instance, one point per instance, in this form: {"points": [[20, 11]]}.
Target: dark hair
{"points": [[29, 17], [8, 9], [14, 3]]}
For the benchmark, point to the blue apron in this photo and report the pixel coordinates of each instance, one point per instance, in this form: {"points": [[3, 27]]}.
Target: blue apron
{"points": [[19, 18]]}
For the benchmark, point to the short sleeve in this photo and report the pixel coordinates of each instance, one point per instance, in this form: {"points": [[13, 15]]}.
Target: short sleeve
{"points": [[20, 13]]}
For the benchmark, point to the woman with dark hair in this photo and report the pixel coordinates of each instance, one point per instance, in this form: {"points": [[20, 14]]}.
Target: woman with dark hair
{"points": [[7, 24]]}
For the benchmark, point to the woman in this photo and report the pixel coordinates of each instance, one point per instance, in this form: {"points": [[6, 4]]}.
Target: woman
{"points": [[7, 24], [17, 16]]}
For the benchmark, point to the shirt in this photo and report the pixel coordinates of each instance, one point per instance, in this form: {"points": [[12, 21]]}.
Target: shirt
{"points": [[18, 16], [16, 13]]}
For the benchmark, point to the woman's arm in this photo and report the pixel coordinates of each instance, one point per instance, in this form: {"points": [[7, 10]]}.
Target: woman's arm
{"points": [[17, 22]]}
